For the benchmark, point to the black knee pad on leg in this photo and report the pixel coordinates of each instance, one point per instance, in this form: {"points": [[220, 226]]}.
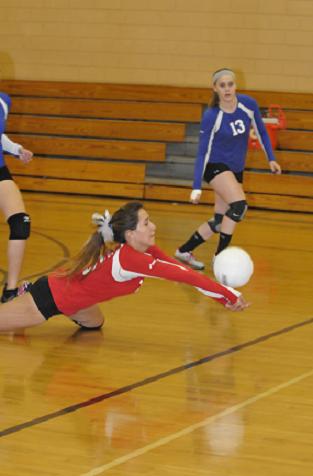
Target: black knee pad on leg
{"points": [[85, 328], [19, 224], [215, 223], [237, 210]]}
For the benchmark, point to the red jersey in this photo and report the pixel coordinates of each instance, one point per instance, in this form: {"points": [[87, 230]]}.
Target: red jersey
{"points": [[122, 272]]}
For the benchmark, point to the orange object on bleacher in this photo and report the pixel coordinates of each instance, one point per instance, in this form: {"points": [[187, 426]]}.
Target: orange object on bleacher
{"points": [[274, 120]]}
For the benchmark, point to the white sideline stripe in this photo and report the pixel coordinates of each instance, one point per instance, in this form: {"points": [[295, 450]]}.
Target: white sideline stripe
{"points": [[196, 426]]}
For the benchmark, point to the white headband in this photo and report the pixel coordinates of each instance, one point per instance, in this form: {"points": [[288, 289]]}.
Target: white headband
{"points": [[104, 227], [218, 74]]}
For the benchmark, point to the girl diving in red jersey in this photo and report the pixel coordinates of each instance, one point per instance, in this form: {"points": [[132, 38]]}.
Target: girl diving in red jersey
{"points": [[99, 274]]}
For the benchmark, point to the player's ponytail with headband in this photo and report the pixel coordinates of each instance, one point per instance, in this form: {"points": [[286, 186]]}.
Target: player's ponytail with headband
{"points": [[109, 229]]}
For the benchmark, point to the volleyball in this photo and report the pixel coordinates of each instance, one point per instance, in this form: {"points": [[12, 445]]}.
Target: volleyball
{"points": [[233, 267]]}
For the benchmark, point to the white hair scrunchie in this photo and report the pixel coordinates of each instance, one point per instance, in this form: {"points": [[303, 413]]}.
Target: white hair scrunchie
{"points": [[104, 227]]}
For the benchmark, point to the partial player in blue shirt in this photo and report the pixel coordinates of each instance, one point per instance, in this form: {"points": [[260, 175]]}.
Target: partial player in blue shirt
{"points": [[223, 144], [12, 205]]}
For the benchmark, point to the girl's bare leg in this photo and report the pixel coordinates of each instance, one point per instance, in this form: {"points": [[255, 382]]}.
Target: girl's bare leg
{"points": [[20, 313], [229, 190], [220, 206]]}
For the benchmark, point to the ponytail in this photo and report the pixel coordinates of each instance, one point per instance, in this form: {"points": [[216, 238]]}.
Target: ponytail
{"points": [[215, 100], [110, 229], [87, 256]]}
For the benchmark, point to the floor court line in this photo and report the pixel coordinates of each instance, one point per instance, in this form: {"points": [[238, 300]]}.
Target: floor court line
{"points": [[151, 379], [196, 426]]}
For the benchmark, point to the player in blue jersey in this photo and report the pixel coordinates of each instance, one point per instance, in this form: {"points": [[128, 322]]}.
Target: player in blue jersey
{"points": [[220, 161], [12, 205]]}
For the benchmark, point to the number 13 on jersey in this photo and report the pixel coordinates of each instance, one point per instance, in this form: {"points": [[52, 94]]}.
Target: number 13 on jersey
{"points": [[238, 127]]}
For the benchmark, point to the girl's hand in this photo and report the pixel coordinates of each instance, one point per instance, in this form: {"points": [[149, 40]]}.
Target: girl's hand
{"points": [[25, 155], [195, 196], [275, 167], [239, 305]]}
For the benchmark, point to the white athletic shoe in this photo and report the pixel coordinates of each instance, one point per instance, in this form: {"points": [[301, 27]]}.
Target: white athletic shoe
{"points": [[188, 258]]}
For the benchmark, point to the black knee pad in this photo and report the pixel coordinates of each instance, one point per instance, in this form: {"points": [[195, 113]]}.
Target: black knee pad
{"points": [[237, 210], [215, 223], [19, 224], [85, 328]]}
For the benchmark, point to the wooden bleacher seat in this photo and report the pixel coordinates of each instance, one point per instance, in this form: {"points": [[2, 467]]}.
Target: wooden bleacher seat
{"points": [[79, 169], [295, 140], [135, 110], [299, 119], [46, 174], [77, 127], [92, 148], [290, 161], [125, 92]]}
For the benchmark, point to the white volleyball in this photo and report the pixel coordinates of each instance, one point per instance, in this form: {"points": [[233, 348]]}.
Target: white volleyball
{"points": [[233, 267]]}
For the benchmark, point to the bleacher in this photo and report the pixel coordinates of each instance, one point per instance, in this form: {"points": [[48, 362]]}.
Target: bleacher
{"points": [[138, 141]]}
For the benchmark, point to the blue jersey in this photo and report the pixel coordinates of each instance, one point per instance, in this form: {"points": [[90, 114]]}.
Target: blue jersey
{"points": [[5, 104], [224, 137]]}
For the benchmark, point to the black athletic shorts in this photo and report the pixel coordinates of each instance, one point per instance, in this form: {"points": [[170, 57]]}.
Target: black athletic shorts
{"points": [[212, 170], [5, 173], [43, 298]]}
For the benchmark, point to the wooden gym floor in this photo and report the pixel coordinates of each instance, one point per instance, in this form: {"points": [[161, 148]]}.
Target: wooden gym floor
{"points": [[174, 385]]}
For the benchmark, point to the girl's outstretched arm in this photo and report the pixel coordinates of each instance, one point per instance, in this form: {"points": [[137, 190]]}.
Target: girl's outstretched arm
{"points": [[134, 263]]}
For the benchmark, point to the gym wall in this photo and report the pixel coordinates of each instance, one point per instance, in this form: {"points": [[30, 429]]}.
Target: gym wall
{"points": [[169, 42]]}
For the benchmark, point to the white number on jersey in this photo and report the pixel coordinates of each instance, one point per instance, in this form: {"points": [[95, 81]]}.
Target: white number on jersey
{"points": [[238, 127]]}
